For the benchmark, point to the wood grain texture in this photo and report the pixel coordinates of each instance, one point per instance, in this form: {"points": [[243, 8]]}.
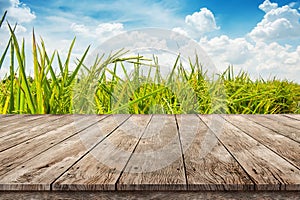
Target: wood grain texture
{"points": [[208, 164], [9, 115], [149, 152], [10, 118], [36, 128], [293, 116], [276, 126], [15, 125], [153, 195], [101, 167], [39, 172], [282, 145], [18, 154], [267, 169], [156, 163], [282, 119]]}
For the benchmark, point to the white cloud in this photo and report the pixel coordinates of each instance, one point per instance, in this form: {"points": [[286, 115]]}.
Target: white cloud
{"points": [[225, 51], [202, 21], [267, 6], [256, 58], [109, 29], [20, 12], [278, 23], [180, 31], [80, 28], [260, 56], [102, 32]]}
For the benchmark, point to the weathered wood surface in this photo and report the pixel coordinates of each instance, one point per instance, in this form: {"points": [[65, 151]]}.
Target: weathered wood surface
{"points": [[36, 128], [156, 163], [277, 126], [285, 120], [209, 166], [20, 153], [276, 142], [18, 123], [267, 169], [297, 117], [149, 152], [93, 172], [138, 195]]}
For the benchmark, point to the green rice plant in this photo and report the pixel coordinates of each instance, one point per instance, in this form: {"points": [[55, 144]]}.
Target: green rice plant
{"points": [[140, 93], [85, 87], [101, 88], [245, 96], [40, 94]]}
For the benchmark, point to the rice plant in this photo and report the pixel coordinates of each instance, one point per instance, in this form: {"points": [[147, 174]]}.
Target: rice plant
{"points": [[245, 96], [99, 88]]}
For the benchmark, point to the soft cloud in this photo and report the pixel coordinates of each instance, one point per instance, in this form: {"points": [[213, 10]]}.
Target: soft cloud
{"points": [[267, 6], [278, 23], [20, 12], [202, 21], [256, 58], [80, 29], [180, 31], [225, 51], [102, 31], [109, 29]]}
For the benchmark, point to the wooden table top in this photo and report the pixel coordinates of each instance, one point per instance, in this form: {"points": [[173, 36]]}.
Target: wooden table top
{"points": [[149, 152]]}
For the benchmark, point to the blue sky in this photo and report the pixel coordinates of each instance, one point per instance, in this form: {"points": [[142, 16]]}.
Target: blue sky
{"points": [[259, 36]]}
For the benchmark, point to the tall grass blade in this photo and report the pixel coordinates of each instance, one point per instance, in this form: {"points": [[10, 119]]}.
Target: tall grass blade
{"points": [[12, 79], [3, 18], [21, 62]]}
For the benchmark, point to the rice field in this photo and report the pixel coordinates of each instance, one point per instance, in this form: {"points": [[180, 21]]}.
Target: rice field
{"points": [[98, 88]]}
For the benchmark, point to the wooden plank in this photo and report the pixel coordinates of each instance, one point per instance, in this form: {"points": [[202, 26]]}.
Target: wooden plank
{"points": [[156, 163], [268, 170], [10, 117], [36, 128], [283, 146], [284, 120], [209, 166], [294, 116], [18, 154], [17, 123], [165, 195], [276, 126], [101, 167], [39, 172]]}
